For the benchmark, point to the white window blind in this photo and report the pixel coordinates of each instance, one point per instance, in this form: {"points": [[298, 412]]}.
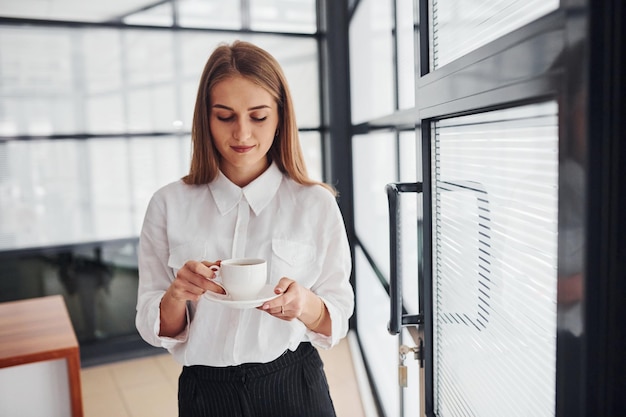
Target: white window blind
{"points": [[495, 218], [461, 26]]}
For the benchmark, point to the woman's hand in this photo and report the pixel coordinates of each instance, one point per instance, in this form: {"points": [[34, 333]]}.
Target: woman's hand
{"points": [[298, 302], [192, 280]]}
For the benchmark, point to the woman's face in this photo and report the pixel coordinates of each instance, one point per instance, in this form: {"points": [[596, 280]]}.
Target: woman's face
{"points": [[243, 122]]}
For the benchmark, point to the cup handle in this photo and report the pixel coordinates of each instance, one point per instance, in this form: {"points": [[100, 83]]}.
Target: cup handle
{"points": [[216, 269]]}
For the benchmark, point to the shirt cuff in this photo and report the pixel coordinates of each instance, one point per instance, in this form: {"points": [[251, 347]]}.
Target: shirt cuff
{"points": [[169, 342], [327, 342]]}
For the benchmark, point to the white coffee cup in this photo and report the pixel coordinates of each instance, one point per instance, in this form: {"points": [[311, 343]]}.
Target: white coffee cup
{"points": [[241, 278]]}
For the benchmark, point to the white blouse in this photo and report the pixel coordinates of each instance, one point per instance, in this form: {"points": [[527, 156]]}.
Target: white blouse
{"points": [[297, 229]]}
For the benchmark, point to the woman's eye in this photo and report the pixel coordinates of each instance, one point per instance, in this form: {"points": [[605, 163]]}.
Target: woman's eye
{"points": [[259, 119], [225, 118]]}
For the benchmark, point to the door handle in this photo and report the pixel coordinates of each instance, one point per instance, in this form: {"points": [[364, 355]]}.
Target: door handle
{"points": [[397, 318]]}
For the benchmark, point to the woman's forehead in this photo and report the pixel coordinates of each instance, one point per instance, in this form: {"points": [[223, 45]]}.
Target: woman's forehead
{"points": [[241, 93]]}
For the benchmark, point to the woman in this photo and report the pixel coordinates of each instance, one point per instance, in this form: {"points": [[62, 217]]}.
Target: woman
{"points": [[247, 195]]}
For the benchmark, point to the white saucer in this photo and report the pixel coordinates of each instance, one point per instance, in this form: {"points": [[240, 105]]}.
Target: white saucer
{"points": [[266, 294]]}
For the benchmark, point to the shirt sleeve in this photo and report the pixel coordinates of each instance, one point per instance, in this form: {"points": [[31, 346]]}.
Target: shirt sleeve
{"points": [[155, 277], [333, 286]]}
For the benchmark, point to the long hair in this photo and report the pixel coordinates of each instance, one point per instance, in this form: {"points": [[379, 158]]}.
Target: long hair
{"points": [[258, 66]]}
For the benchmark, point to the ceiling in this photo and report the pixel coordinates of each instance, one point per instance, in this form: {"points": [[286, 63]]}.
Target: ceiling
{"points": [[72, 10]]}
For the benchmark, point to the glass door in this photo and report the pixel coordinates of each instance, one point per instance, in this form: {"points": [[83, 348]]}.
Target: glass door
{"points": [[494, 214], [502, 205], [475, 294]]}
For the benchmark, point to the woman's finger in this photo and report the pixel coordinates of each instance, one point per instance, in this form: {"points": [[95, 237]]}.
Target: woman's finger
{"points": [[283, 285]]}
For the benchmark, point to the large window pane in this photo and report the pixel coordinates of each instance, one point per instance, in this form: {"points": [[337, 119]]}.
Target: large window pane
{"points": [[495, 192], [371, 61], [155, 162], [152, 109], [216, 14], [379, 348], [312, 150], [107, 179], [405, 34], [70, 191], [36, 60], [374, 166], [159, 15], [101, 60], [37, 79], [148, 57], [283, 15], [105, 113]]}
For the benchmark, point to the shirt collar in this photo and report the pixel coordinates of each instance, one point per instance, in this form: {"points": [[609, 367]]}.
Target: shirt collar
{"points": [[258, 193]]}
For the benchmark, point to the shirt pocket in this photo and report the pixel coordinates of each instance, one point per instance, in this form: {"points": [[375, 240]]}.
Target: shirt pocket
{"points": [[179, 255], [294, 260]]}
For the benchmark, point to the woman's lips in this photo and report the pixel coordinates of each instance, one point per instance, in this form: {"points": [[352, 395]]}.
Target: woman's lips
{"points": [[241, 149]]}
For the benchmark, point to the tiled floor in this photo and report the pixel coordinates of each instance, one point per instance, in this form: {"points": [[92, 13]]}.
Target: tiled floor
{"points": [[146, 387]]}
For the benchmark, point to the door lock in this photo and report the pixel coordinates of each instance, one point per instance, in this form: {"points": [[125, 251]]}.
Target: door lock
{"points": [[417, 351], [404, 350]]}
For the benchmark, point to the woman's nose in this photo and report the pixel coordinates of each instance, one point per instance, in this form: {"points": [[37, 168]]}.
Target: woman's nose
{"points": [[241, 130]]}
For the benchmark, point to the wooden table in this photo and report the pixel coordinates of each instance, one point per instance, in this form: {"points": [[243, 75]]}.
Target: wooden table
{"points": [[37, 330]]}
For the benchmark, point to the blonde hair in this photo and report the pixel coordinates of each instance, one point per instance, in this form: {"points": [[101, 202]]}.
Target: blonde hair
{"points": [[257, 65]]}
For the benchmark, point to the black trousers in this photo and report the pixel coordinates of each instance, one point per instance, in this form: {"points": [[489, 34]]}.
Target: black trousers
{"points": [[294, 385]]}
